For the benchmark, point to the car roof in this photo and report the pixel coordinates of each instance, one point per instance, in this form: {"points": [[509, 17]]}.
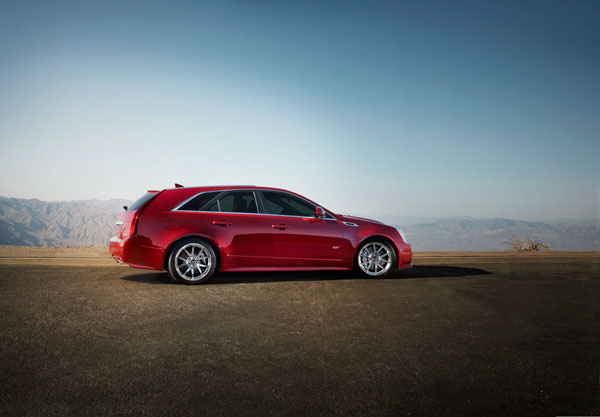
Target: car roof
{"points": [[201, 188]]}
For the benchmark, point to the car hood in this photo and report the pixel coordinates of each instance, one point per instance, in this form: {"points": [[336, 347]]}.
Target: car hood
{"points": [[355, 219]]}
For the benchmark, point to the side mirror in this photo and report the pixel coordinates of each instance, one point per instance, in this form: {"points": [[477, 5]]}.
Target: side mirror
{"points": [[320, 212]]}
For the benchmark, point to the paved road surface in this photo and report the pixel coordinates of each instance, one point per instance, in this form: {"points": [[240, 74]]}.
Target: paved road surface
{"points": [[493, 338]]}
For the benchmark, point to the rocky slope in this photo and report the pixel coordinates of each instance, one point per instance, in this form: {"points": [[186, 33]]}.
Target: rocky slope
{"points": [[58, 223]]}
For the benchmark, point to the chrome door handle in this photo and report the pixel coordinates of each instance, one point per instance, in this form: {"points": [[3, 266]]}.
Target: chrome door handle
{"points": [[280, 226], [223, 223]]}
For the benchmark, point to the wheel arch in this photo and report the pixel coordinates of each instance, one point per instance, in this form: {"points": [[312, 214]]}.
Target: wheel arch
{"points": [[377, 238], [217, 249]]}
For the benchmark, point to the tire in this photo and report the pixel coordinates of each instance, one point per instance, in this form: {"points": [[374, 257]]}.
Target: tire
{"points": [[376, 258], [192, 261]]}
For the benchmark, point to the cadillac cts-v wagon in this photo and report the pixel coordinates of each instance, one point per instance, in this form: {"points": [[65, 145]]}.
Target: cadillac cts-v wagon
{"points": [[194, 231]]}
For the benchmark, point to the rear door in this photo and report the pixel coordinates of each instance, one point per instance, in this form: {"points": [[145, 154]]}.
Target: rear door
{"points": [[242, 232], [298, 238]]}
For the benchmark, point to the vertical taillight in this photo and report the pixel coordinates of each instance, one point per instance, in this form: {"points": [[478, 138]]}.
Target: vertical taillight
{"points": [[121, 227], [134, 219], [128, 221], [136, 215]]}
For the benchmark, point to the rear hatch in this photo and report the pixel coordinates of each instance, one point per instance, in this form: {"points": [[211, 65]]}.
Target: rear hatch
{"points": [[127, 221]]}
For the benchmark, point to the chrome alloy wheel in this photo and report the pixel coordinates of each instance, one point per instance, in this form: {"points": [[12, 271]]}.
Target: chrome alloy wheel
{"points": [[375, 259], [193, 261]]}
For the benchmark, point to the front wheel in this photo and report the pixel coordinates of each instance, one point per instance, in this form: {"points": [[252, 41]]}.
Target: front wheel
{"points": [[376, 258], [192, 261]]}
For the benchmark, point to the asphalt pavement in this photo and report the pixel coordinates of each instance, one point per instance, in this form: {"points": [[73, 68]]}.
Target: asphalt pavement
{"points": [[495, 338]]}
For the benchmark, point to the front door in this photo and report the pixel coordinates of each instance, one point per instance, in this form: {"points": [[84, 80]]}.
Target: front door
{"points": [[298, 238]]}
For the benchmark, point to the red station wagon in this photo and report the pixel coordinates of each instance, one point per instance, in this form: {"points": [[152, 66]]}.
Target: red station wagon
{"points": [[194, 231]]}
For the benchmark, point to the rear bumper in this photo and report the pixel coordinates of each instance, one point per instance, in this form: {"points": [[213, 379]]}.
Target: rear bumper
{"points": [[116, 247], [135, 252]]}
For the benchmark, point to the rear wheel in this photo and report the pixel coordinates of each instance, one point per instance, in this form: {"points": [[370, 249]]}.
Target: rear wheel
{"points": [[376, 258], [192, 261]]}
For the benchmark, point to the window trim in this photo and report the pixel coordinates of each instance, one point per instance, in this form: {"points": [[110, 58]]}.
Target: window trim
{"points": [[220, 194], [177, 208], [217, 195], [259, 200]]}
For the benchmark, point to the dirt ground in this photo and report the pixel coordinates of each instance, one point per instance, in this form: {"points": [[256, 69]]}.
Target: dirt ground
{"points": [[459, 334]]}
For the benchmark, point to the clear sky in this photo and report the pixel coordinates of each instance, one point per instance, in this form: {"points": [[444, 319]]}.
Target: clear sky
{"points": [[487, 109]]}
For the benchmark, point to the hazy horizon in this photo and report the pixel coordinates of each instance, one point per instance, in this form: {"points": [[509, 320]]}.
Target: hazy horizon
{"points": [[418, 109], [391, 218]]}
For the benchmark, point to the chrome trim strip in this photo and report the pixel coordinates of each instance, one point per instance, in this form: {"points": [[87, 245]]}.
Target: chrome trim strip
{"points": [[257, 214], [237, 212]]}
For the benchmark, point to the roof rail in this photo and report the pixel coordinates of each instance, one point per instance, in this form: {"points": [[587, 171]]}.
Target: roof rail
{"points": [[203, 186]]}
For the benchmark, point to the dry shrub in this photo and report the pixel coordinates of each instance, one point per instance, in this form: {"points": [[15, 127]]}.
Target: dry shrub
{"points": [[529, 245]]}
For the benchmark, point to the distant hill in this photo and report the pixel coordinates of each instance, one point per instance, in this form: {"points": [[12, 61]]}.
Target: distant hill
{"points": [[468, 234], [92, 223], [58, 223]]}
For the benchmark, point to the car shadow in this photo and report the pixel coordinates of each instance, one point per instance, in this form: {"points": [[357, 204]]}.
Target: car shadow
{"points": [[416, 272]]}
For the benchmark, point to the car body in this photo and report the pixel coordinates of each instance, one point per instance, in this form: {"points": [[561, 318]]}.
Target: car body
{"points": [[250, 228]]}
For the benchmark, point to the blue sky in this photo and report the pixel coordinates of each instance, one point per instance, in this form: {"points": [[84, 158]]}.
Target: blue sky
{"points": [[413, 109]]}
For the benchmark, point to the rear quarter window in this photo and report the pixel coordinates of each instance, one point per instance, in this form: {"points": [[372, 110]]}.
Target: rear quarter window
{"points": [[198, 202]]}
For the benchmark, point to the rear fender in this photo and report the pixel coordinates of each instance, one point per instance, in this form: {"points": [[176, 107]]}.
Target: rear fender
{"points": [[214, 244]]}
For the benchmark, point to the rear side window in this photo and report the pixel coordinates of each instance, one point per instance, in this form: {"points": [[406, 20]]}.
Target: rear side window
{"points": [[199, 201], [235, 202], [137, 204]]}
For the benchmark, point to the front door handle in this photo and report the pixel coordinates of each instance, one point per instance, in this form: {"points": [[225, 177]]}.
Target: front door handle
{"points": [[223, 223], [280, 226]]}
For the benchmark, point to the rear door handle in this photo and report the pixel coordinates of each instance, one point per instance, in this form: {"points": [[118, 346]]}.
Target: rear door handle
{"points": [[280, 226], [223, 223]]}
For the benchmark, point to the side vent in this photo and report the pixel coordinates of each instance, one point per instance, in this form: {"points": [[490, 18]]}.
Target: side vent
{"points": [[350, 224]]}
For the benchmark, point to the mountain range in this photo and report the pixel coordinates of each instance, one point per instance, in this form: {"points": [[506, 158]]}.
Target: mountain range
{"points": [[92, 222], [58, 223], [469, 234]]}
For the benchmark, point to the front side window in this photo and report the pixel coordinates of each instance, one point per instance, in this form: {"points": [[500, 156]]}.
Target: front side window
{"points": [[235, 202], [287, 204]]}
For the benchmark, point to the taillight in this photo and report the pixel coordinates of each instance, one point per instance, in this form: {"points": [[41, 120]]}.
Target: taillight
{"points": [[134, 220], [136, 215], [128, 221], [121, 229]]}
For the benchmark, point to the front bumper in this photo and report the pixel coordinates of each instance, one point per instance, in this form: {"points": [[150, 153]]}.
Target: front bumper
{"points": [[405, 258]]}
